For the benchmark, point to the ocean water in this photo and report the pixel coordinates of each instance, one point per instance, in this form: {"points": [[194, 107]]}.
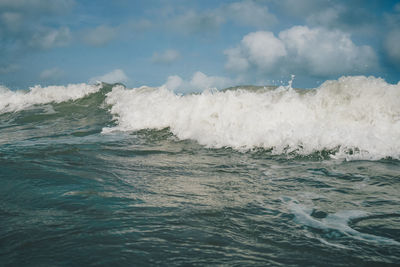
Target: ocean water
{"points": [[106, 175]]}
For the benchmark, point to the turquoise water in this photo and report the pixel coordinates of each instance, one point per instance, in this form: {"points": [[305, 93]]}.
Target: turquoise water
{"points": [[73, 193]]}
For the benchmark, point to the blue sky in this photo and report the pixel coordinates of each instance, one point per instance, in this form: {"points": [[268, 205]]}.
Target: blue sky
{"points": [[192, 45]]}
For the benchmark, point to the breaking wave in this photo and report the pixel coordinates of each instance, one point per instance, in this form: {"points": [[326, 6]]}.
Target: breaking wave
{"points": [[353, 117], [11, 101]]}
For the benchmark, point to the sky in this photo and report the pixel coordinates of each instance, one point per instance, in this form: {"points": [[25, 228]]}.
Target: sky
{"points": [[191, 45]]}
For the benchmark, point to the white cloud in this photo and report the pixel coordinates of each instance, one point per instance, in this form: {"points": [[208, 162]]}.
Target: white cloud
{"points": [[323, 52], [166, 57], [49, 38], [392, 46], [317, 52], [51, 74], [198, 82], [174, 82], [99, 35], [115, 76]]}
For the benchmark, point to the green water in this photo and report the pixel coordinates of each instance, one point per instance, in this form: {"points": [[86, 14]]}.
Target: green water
{"points": [[71, 195]]}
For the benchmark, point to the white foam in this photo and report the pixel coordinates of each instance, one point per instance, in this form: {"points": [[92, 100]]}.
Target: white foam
{"points": [[338, 221], [359, 115], [11, 101]]}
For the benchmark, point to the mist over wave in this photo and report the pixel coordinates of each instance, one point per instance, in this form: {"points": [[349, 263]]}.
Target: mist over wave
{"points": [[353, 117]]}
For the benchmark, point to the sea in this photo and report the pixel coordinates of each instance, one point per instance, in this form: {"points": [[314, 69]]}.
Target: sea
{"points": [[104, 175]]}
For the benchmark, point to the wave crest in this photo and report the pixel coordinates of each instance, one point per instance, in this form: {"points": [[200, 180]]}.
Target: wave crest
{"points": [[11, 101], [357, 117]]}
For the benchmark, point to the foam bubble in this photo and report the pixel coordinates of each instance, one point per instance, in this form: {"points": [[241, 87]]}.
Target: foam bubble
{"points": [[356, 117], [11, 101]]}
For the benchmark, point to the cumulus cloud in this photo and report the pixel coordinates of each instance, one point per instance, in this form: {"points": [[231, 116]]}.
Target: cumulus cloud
{"points": [[198, 82], [301, 50], [100, 35], [115, 76], [261, 49], [166, 57], [51, 74]]}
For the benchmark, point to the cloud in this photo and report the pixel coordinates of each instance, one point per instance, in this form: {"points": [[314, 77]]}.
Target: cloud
{"points": [[115, 76], [261, 49], [27, 26], [166, 57], [249, 13], [51, 74], [196, 22], [12, 21], [100, 35], [346, 15], [323, 52], [199, 82], [244, 13], [316, 52], [49, 38], [397, 7], [38, 6], [9, 68], [392, 47]]}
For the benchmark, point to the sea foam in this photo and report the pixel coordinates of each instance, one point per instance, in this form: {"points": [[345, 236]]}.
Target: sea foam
{"points": [[355, 117], [11, 101]]}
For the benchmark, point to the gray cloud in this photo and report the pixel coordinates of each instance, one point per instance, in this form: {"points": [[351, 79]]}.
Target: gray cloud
{"points": [[249, 13], [194, 22], [37, 6], [392, 47], [245, 13], [166, 57], [48, 38], [31, 25], [100, 35], [52, 74], [352, 15], [9, 68]]}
